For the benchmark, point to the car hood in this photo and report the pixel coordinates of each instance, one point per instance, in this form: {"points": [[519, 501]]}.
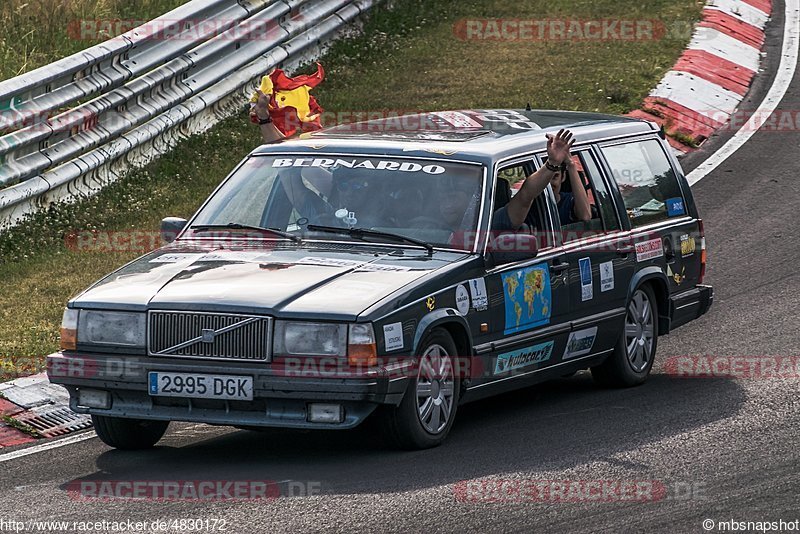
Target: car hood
{"points": [[323, 282]]}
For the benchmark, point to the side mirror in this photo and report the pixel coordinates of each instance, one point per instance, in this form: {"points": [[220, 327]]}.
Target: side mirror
{"points": [[512, 247], [171, 227]]}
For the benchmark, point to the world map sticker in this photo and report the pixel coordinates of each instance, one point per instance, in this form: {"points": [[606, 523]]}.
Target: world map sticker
{"points": [[527, 298]]}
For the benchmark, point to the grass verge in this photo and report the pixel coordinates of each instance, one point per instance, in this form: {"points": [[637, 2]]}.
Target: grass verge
{"points": [[38, 32], [408, 58], [22, 427]]}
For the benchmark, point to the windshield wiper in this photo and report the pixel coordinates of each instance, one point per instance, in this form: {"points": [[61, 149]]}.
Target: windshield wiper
{"points": [[361, 233], [237, 226]]}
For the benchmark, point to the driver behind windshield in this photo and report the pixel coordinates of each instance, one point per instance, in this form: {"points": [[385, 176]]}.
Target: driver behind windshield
{"points": [[453, 202], [309, 204], [357, 199], [342, 198], [458, 202]]}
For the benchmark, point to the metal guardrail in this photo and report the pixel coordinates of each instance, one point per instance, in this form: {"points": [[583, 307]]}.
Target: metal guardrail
{"points": [[132, 97]]}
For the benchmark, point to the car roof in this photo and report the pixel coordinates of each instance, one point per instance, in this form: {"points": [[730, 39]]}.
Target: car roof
{"points": [[481, 134]]}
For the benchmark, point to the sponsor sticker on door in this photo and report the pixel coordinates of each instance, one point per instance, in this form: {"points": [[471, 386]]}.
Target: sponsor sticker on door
{"points": [[648, 250], [580, 343], [393, 334], [517, 359], [477, 289], [688, 245], [606, 276], [587, 292]]}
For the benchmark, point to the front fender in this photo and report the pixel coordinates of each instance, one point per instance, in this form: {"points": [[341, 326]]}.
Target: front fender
{"points": [[437, 318]]}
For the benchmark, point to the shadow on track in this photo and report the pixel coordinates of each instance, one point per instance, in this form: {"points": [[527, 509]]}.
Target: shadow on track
{"points": [[552, 426]]}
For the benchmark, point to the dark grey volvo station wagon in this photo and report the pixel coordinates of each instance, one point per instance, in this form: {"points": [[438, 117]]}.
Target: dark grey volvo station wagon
{"points": [[358, 272]]}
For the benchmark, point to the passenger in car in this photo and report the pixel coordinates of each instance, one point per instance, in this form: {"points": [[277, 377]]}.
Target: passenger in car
{"points": [[511, 216], [572, 207], [450, 206]]}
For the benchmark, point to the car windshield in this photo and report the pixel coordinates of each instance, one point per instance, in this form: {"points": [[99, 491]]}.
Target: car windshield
{"points": [[435, 202]]}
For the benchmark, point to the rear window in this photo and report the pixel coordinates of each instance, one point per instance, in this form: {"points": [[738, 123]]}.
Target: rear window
{"points": [[648, 185]]}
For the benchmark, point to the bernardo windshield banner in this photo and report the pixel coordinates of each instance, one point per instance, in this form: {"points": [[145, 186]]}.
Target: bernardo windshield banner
{"points": [[358, 163]]}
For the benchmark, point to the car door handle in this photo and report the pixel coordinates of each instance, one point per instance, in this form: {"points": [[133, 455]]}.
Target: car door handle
{"points": [[557, 268], [625, 250]]}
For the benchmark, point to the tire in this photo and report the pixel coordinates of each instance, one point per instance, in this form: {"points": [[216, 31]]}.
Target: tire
{"points": [[426, 414], [633, 356], [128, 434]]}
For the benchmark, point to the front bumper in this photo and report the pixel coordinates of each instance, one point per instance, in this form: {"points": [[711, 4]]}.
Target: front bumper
{"points": [[279, 401]]}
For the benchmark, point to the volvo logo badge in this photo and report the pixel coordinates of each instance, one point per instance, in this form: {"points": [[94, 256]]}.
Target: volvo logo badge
{"points": [[208, 335]]}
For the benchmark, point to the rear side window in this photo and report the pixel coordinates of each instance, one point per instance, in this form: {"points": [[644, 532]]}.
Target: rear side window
{"points": [[646, 181]]}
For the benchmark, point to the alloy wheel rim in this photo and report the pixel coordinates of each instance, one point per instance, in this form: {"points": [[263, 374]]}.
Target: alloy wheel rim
{"points": [[639, 328], [435, 389]]}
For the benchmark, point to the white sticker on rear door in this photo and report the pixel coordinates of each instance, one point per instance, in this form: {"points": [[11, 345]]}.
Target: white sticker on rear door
{"points": [[606, 276], [649, 250]]}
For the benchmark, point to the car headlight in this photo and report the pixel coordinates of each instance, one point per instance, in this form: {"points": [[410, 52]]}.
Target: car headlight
{"points": [[69, 329], [118, 329], [355, 341], [294, 338]]}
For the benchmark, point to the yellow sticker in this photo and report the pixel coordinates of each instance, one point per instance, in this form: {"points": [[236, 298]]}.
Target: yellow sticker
{"points": [[677, 278], [431, 303]]}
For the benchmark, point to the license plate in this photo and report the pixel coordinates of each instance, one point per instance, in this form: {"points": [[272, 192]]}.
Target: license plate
{"points": [[223, 387]]}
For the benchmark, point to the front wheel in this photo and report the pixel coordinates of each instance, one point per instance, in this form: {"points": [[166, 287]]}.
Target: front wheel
{"points": [[635, 351], [128, 434], [424, 417]]}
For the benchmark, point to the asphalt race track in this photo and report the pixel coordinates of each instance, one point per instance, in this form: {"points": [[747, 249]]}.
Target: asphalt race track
{"points": [[720, 448]]}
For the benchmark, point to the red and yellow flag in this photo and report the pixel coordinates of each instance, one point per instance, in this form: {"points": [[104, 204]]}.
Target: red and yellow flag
{"points": [[291, 105]]}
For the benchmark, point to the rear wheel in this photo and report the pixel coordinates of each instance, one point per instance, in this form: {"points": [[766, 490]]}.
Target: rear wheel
{"points": [[424, 417], [635, 351], [128, 434]]}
